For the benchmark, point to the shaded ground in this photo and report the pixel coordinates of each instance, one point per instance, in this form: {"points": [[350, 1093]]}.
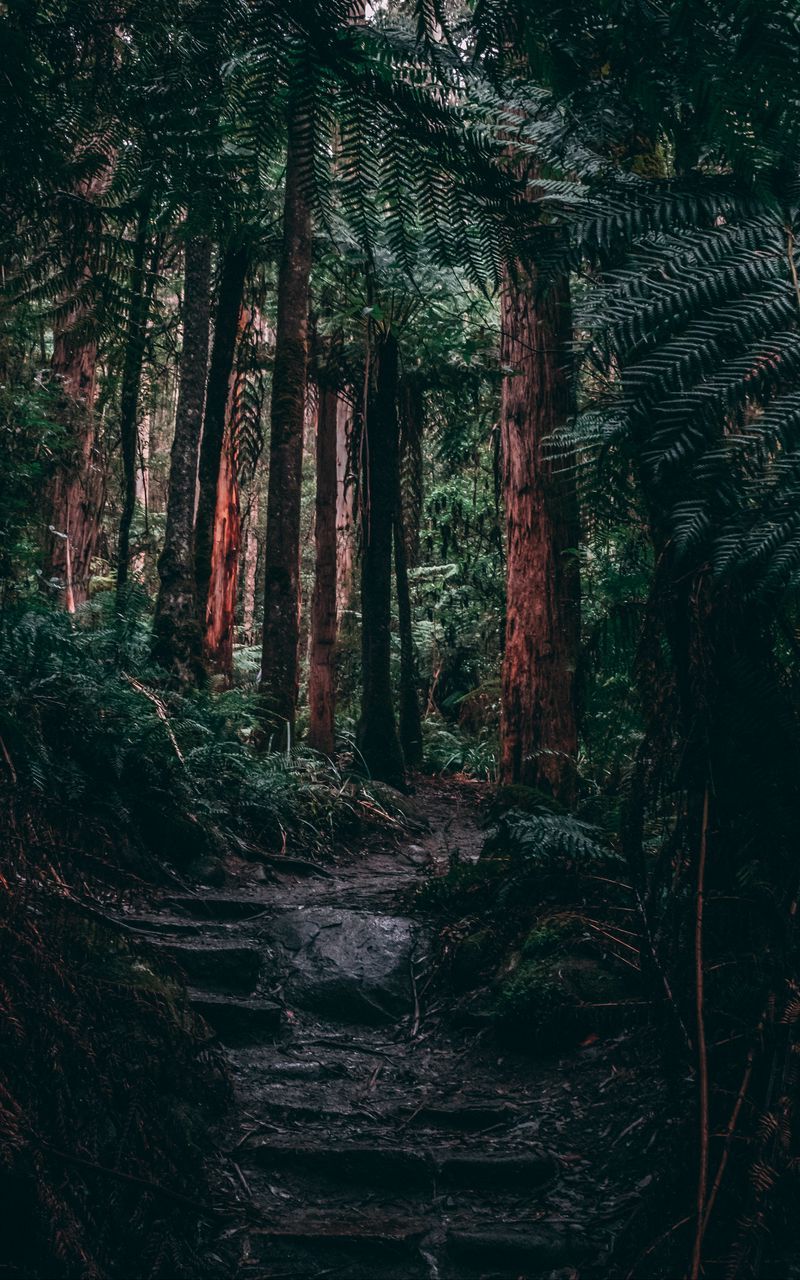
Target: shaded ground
{"points": [[373, 1138]]}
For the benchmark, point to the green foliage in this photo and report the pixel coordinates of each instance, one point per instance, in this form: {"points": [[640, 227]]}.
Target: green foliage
{"points": [[448, 749], [85, 726], [31, 440]]}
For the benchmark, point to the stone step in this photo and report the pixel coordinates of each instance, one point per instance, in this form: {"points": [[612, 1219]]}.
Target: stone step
{"points": [[222, 966], [217, 906], [520, 1252], [366, 1247], [464, 1116], [236, 1020], [405, 1168]]}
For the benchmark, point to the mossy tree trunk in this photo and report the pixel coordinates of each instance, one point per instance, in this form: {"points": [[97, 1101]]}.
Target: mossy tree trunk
{"points": [[141, 298], [177, 635], [220, 373]]}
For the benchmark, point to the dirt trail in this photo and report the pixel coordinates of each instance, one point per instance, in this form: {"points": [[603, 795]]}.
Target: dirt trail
{"points": [[371, 1138]]}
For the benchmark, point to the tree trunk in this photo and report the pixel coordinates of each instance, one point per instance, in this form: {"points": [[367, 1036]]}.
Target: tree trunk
{"points": [[410, 721], [221, 604], [282, 555], [129, 395], [345, 505], [76, 494], [539, 737], [377, 737], [177, 636], [322, 665], [226, 324], [220, 616], [411, 468], [250, 572]]}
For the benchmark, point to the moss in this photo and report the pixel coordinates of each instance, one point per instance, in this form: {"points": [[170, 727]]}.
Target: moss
{"points": [[547, 999]]}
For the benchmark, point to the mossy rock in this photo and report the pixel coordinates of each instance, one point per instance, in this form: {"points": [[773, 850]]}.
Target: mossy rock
{"points": [[556, 990]]}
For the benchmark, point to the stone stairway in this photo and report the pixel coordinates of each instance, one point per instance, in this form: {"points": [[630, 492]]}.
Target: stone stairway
{"points": [[371, 1140]]}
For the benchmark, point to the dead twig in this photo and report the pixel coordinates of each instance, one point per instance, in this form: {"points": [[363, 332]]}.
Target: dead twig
{"points": [[161, 710], [702, 1053]]}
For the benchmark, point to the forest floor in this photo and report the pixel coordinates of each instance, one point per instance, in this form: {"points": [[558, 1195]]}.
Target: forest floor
{"points": [[374, 1135]]}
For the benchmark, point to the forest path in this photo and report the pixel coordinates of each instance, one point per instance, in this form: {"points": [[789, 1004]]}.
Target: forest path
{"points": [[371, 1138]]}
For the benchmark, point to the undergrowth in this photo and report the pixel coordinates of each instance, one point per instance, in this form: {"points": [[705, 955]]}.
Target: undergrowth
{"points": [[538, 931], [109, 1087], [86, 725]]}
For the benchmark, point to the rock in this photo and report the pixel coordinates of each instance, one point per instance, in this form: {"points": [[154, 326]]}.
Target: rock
{"points": [[238, 1021], [347, 964], [226, 966]]}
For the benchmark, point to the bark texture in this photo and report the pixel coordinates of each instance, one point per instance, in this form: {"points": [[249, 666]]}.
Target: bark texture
{"points": [[322, 663], [177, 636], [345, 504], [129, 394], [539, 737], [377, 737], [250, 570], [75, 495], [220, 615], [220, 374], [279, 676], [410, 720], [220, 621]]}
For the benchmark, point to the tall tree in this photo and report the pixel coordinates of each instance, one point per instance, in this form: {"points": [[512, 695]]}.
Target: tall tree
{"points": [[141, 296], [220, 613], [279, 676], [177, 636], [76, 493], [220, 375], [345, 503], [408, 504], [539, 735], [377, 738], [322, 661]]}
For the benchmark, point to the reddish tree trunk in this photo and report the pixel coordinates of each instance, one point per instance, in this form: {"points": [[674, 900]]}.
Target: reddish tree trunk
{"points": [[221, 605], [322, 665], [345, 505], [220, 616], [539, 738], [279, 675], [76, 494], [220, 375], [377, 739]]}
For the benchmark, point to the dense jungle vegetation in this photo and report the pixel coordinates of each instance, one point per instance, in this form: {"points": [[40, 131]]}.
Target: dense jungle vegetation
{"points": [[390, 390]]}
